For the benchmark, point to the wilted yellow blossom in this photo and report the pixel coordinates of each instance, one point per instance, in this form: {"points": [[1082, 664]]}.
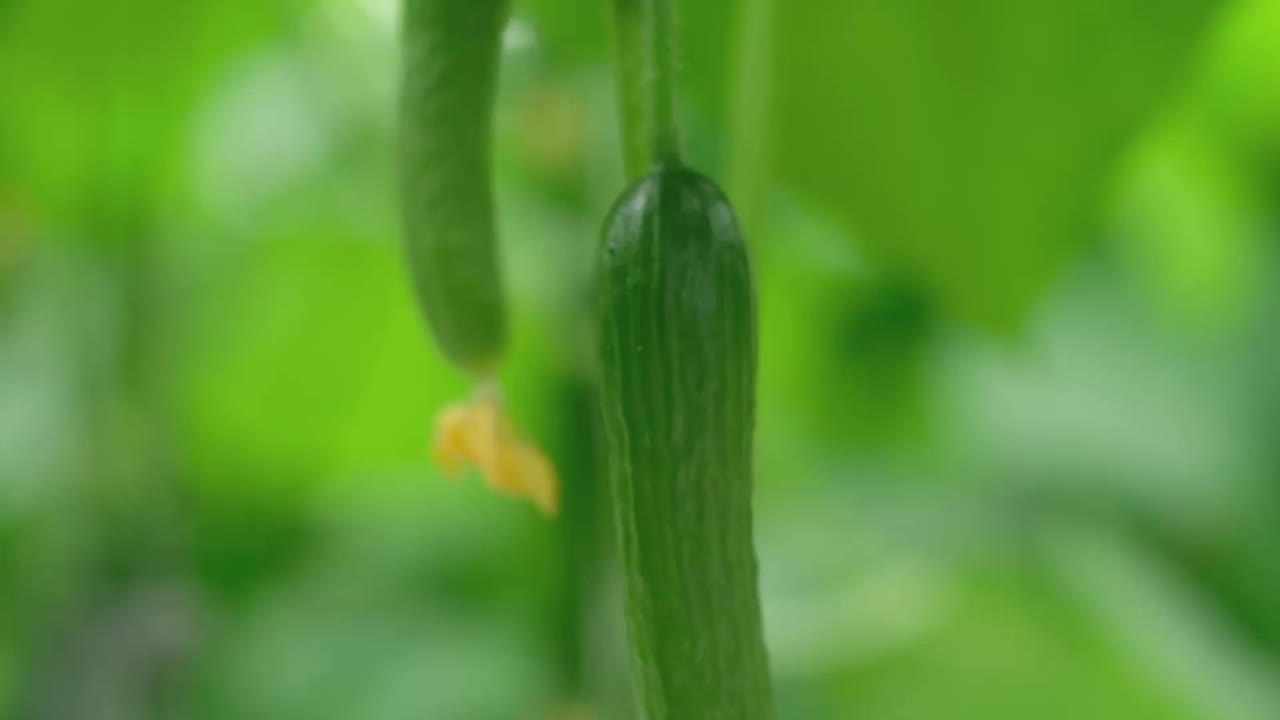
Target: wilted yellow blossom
{"points": [[478, 433]]}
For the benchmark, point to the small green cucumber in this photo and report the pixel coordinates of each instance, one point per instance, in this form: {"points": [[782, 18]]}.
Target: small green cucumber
{"points": [[677, 340], [450, 67]]}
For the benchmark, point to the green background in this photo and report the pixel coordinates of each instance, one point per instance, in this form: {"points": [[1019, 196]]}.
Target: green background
{"points": [[1018, 452]]}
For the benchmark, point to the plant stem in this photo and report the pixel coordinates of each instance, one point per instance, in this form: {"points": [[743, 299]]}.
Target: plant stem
{"points": [[662, 88], [646, 38], [629, 29], [750, 156]]}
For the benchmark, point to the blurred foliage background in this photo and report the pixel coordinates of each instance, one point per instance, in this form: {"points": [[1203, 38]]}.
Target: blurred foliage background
{"points": [[1018, 452]]}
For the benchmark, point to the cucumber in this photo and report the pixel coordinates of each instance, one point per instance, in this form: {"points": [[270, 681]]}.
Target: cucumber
{"points": [[677, 344], [450, 66]]}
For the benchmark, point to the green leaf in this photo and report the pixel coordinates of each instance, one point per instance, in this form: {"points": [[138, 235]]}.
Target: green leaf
{"points": [[965, 142]]}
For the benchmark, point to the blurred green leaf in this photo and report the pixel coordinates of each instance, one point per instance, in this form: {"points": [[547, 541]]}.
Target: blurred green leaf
{"points": [[568, 31], [967, 141], [270, 387], [1190, 212], [1153, 615]]}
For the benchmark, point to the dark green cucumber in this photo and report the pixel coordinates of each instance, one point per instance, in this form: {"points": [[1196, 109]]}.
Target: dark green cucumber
{"points": [[678, 364], [450, 67]]}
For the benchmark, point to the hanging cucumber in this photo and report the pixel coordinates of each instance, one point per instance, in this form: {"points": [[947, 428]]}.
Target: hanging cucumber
{"points": [[677, 347], [450, 67], [678, 361]]}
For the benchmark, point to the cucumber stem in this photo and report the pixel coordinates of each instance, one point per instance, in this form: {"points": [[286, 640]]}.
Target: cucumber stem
{"points": [[750, 155], [629, 37], [646, 39], [662, 98]]}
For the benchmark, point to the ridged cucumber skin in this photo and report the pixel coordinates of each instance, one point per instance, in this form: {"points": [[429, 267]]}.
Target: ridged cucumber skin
{"points": [[449, 76], [677, 336]]}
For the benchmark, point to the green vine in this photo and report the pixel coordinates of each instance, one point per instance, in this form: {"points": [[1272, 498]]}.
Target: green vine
{"points": [[646, 39]]}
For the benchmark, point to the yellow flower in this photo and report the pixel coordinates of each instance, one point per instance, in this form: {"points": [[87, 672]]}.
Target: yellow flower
{"points": [[477, 433]]}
